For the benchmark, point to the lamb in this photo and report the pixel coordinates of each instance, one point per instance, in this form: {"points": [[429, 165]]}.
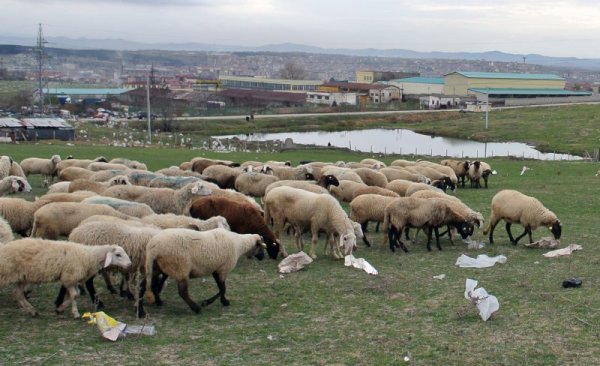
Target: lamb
{"points": [[369, 207], [303, 209], [407, 212], [74, 172], [345, 190], [131, 238], [131, 164], [45, 167], [98, 187], [161, 200], [19, 213], [14, 184], [516, 208], [134, 209], [242, 218], [32, 261], [320, 186], [372, 177], [460, 167], [183, 254], [253, 183], [168, 221], [60, 218]]}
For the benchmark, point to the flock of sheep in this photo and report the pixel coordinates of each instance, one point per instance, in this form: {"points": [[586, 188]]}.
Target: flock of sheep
{"points": [[200, 217]]}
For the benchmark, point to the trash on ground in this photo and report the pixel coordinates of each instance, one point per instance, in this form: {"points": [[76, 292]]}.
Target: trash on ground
{"points": [[360, 263], [572, 282], [547, 242], [294, 262], [486, 303], [474, 244], [440, 277], [112, 329], [482, 261], [564, 251]]}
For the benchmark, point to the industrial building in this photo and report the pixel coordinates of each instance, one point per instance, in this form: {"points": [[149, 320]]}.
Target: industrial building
{"points": [[258, 83], [33, 129], [459, 83], [363, 76], [418, 85]]}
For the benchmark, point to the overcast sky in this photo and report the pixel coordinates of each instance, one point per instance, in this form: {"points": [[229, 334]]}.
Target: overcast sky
{"points": [[551, 27]]}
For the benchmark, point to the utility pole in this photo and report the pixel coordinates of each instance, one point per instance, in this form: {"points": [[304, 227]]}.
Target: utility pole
{"points": [[149, 115], [40, 59]]}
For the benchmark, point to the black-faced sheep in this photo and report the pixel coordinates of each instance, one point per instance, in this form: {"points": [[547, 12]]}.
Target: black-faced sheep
{"points": [[394, 173], [516, 208], [14, 184], [32, 261], [183, 254], [242, 218], [460, 167]]}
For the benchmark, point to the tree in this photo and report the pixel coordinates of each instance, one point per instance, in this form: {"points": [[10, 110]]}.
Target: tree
{"points": [[292, 71]]}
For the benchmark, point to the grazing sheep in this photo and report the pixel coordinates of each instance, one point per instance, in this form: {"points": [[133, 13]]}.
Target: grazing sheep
{"points": [[183, 254], [44, 167], [142, 178], [14, 184], [303, 209], [242, 218], [486, 171], [59, 187], [394, 172], [176, 172], [449, 181], [399, 186], [98, 166], [131, 164], [97, 187], [6, 233], [19, 213], [74, 172], [374, 190], [372, 177], [174, 182], [234, 196], [411, 212], [368, 207], [80, 163], [419, 187], [475, 173], [15, 169], [446, 170], [222, 175], [161, 200], [460, 167], [134, 209], [132, 239], [104, 175], [516, 208], [60, 218], [345, 190], [199, 164], [340, 173], [32, 261], [254, 184], [402, 163], [303, 172], [169, 221], [5, 165], [320, 186], [373, 162], [68, 197]]}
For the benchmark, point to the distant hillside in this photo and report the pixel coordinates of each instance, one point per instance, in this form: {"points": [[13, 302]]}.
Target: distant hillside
{"points": [[121, 44]]}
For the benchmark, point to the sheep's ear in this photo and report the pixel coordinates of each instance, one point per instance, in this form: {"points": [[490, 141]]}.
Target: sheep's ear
{"points": [[15, 185], [108, 259], [195, 189]]}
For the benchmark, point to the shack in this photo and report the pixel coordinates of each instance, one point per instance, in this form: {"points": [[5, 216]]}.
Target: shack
{"points": [[48, 128]]}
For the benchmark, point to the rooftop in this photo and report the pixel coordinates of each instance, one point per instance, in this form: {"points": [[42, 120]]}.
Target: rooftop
{"points": [[84, 91], [506, 75], [421, 80], [515, 91]]}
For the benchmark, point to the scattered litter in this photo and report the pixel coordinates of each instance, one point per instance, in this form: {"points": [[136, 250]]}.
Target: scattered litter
{"points": [[486, 303], [360, 263], [564, 251], [440, 277], [525, 168], [572, 282], [270, 337], [536, 262], [294, 262], [474, 244], [494, 172], [112, 329], [547, 242], [482, 261]]}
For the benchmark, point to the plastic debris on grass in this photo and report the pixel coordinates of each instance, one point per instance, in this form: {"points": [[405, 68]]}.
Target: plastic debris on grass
{"points": [[112, 329], [440, 277], [482, 261], [563, 251], [294, 262], [547, 242], [474, 244], [360, 263], [486, 304]]}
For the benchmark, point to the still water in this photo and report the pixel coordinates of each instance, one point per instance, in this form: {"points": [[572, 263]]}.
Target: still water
{"points": [[401, 141]]}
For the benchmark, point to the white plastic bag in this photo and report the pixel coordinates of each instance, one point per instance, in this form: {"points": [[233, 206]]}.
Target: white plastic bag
{"points": [[486, 303], [360, 263], [482, 261]]}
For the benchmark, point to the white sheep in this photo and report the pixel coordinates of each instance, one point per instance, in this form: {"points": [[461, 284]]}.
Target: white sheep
{"points": [[183, 254], [14, 184], [45, 167], [373, 162], [375, 190], [134, 209], [59, 187], [475, 173], [254, 184], [6, 233], [15, 169], [340, 173], [5, 165], [97, 187], [168, 221], [60, 218], [74, 172], [414, 187], [19, 213], [402, 163], [68, 197], [176, 172], [284, 172], [368, 207], [33, 261], [81, 163], [395, 172], [131, 164], [161, 200], [320, 186], [345, 190], [372, 177], [98, 166], [303, 210], [516, 208], [142, 178], [174, 182], [104, 175]]}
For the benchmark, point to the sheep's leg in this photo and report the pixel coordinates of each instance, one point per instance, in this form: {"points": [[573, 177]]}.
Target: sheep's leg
{"points": [[512, 240], [363, 226], [221, 285], [19, 294], [60, 298], [493, 224], [437, 237], [182, 288], [108, 282], [391, 239], [377, 226], [73, 293], [429, 230], [527, 231], [157, 284], [141, 312], [313, 243], [125, 288]]}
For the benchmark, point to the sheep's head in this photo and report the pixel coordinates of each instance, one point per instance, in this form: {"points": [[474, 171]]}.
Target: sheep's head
{"points": [[20, 185], [117, 257], [556, 229], [55, 159], [465, 229], [258, 250], [200, 189], [347, 243], [331, 180]]}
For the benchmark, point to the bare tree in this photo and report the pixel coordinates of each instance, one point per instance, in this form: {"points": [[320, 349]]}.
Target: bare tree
{"points": [[292, 71]]}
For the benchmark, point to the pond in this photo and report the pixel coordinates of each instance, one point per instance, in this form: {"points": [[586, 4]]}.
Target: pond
{"points": [[404, 142]]}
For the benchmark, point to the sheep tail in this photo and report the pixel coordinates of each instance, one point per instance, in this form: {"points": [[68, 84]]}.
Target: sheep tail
{"points": [[148, 294], [486, 229]]}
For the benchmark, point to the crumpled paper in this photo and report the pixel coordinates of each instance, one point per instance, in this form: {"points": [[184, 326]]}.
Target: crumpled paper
{"points": [[360, 263], [294, 262], [482, 261], [547, 242], [112, 329], [486, 303], [564, 251]]}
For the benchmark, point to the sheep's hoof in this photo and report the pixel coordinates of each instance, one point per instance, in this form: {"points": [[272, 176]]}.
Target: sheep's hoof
{"points": [[195, 308], [76, 316], [225, 302], [141, 314], [313, 256], [100, 305], [34, 314]]}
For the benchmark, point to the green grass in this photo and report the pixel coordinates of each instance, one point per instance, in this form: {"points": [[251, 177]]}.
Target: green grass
{"points": [[329, 314]]}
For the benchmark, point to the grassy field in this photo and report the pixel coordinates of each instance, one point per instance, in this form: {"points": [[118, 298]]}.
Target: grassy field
{"points": [[328, 314]]}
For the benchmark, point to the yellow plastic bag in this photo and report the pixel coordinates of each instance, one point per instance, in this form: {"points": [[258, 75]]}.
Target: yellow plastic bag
{"points": [[109, 327]]}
